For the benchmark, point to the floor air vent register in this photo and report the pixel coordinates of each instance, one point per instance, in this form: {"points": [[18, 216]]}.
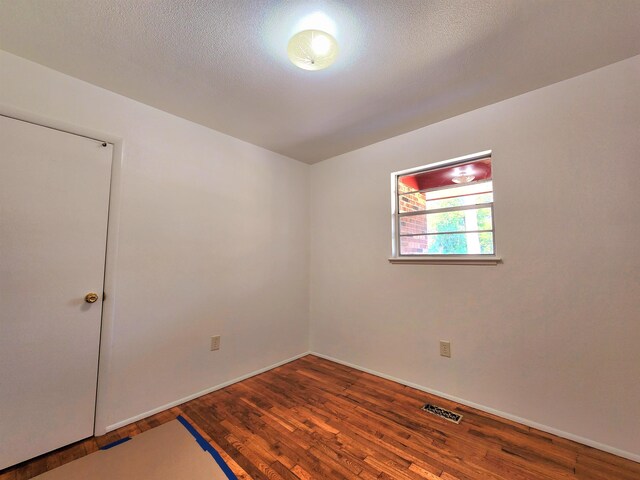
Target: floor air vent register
{"points": [[442, 413]]}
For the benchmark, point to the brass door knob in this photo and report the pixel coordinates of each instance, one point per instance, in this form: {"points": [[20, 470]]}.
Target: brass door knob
{"points": [[91, 297]]}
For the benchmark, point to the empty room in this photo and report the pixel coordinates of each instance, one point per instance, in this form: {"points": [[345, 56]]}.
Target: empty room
{"points": [[319, 239]]}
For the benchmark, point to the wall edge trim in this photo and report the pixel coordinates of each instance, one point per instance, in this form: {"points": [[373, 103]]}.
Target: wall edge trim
{"points": [[169, 405], [529, 423]]}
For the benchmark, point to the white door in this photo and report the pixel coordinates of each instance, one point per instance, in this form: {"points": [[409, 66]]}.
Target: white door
{"points": [[54, 195]]}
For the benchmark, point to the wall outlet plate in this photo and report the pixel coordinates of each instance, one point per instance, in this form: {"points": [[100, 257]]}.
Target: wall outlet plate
{"points": [[215, 342], [445, 348]]}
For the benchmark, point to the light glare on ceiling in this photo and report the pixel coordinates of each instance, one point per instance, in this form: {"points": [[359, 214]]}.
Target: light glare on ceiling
{"points": [[317, 20]]}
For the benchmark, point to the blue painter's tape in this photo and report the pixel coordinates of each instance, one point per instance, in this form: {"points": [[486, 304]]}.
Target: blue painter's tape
{"points": [[116, 443], [208, 448]]}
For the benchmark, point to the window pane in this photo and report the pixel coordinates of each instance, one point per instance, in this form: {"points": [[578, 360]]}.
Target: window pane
{"points": [[459, 201], [448, 244], [473, 188], [448, 197], [413, 202], [455, 221], [460, 220]]}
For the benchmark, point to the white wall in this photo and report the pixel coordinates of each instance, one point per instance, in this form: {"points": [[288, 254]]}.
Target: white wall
{"points": [[213, 239], [553, 334]]}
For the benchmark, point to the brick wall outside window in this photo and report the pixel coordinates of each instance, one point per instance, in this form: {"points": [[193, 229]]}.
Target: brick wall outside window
{"points": [[412, 224]]}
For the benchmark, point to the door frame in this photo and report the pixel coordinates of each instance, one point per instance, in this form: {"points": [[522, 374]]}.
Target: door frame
{"points": [[111, 252]]}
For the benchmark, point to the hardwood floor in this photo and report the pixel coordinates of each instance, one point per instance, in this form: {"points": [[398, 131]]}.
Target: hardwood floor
{"points": [[317, 419]]}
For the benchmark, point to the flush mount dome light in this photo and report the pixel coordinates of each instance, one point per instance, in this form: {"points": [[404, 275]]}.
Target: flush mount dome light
{"points": [[312, 49], [463, 175]]}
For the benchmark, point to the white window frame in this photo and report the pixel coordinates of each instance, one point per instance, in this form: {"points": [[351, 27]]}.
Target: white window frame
{"points": [[460, 259]]}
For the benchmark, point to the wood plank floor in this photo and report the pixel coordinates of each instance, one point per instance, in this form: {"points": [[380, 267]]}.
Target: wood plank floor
{"points": [[315, 419]]}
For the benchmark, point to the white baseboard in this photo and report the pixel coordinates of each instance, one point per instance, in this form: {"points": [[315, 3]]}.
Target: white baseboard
{"points": [[508, 416], [196, 395]]}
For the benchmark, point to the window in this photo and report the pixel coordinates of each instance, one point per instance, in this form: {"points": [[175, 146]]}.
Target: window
{"points": [[445, 211]]}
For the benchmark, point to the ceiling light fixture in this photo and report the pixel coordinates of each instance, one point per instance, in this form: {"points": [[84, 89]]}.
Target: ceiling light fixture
{"points": [[463, 176], [312, 49]]}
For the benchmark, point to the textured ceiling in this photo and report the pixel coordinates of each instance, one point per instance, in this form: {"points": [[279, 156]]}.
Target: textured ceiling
{"points": [[403, 63]]}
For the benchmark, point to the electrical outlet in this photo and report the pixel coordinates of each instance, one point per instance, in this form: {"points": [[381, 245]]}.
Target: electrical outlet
{"points": [[215, 343], [445, 349]]}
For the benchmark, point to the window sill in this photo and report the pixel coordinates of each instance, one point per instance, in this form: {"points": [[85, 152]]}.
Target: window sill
{"points": [[447, 260]]}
